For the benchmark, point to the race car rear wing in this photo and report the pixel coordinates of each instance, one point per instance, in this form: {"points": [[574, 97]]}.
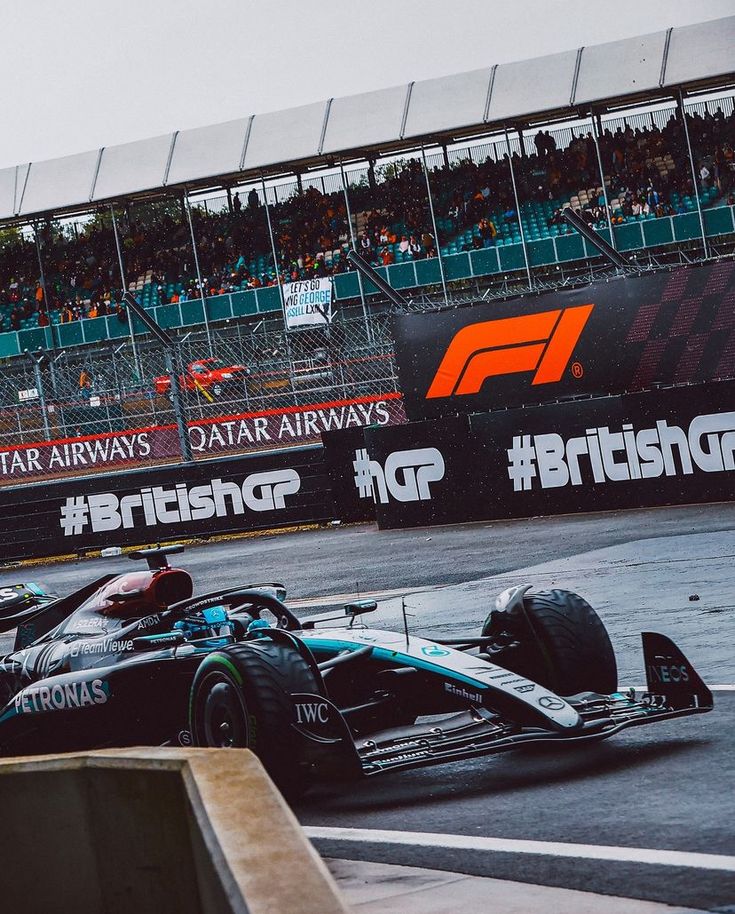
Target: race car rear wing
{"points": [[35, 620]]}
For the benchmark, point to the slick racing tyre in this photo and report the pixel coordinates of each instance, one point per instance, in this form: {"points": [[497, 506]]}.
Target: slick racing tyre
{"points": [[564, 643], [241, 697]]}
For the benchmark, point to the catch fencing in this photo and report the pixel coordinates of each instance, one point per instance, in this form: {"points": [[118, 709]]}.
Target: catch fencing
{"points": [[242, 389]]}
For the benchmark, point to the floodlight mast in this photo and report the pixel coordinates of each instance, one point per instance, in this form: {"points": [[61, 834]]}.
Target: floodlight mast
{"points": [[172, 356]]}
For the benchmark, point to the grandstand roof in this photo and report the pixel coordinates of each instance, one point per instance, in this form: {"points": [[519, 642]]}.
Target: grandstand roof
{"points": [[692, 56]]}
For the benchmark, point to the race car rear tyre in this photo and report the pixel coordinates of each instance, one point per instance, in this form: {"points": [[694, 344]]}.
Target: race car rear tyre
{"points": [[241, 697], [567, 649]]}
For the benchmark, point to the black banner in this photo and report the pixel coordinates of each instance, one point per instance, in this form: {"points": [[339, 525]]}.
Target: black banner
{"points": [[227, 495], [344, 449], [673, 446], [628, 334]]}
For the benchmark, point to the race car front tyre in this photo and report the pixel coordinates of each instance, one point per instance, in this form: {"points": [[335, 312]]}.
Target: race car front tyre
{"points": [[241, 697], [564, 644]]}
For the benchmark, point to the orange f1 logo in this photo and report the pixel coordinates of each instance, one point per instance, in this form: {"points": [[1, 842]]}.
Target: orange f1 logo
{"points": [[536, 342]]}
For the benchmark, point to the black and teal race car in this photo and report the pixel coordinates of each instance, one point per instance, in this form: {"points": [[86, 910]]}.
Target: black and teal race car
{"points": [[137, 659]]}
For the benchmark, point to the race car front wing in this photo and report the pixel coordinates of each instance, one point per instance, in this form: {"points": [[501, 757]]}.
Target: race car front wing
{"points": [[674, 689]]}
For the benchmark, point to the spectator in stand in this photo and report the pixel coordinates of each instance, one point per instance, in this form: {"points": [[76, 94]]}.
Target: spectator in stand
{"points": [[488, 232], [704, 177], [237, 204], [403, 245], [386, 256], [427, 242], [85, 384], [556, 219]]}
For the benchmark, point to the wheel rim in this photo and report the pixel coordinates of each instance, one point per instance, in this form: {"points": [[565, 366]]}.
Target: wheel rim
{"points": [[224, 715]]}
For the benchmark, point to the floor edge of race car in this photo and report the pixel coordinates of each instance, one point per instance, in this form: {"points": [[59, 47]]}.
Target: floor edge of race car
{"points": [[383, 888]]}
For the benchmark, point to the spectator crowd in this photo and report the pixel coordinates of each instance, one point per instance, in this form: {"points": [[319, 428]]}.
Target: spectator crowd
{"points": [[647, 175]]}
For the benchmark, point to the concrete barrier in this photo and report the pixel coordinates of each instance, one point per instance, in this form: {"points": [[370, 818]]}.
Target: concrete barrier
{"points": [[153, 831]]}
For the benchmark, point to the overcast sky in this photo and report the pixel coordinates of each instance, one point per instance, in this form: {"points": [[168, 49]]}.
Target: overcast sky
{"points": [[80, 74]]}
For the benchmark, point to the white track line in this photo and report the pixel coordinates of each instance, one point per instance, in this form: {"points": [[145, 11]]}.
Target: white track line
{"points": [[514, 846]]}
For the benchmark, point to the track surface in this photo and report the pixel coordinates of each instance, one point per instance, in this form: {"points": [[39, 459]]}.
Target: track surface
{"points": [[339, 560], [670, 786]]}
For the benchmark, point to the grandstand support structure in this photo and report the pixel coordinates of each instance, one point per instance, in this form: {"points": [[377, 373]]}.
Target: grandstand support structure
{"points": [[594, 123], [434, 226], [595, 238], [353, 242], [518, 210], [367, 272], [682, 115], [272, 241], [121, 267], [200, 283]]}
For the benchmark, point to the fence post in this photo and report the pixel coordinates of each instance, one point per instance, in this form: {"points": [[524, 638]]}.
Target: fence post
{"points": [[41, 393], [172, 358], [174, 369]]}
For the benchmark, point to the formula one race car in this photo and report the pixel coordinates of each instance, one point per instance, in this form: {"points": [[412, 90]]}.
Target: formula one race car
{"points": [[135, 659]]}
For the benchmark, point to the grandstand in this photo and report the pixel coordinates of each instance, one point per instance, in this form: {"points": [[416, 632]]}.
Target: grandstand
{"points": [[450, 185], [556, 134]]}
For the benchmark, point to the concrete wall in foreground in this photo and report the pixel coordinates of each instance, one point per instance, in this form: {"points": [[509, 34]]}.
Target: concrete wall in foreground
{"points": [[153, 831]]}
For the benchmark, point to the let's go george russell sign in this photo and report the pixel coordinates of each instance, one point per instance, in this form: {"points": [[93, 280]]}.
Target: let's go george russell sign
{"points": [[308, 302]]}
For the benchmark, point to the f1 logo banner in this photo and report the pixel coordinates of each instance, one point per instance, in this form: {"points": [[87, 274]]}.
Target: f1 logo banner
{"points": [[542, 343], [625, 335]]}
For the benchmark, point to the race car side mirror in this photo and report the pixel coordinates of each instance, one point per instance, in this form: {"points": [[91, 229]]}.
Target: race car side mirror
{"points": [[358, 607]]}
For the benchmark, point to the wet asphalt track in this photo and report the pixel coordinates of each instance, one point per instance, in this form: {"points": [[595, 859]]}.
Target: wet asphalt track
{"points": [[670, 786]]}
